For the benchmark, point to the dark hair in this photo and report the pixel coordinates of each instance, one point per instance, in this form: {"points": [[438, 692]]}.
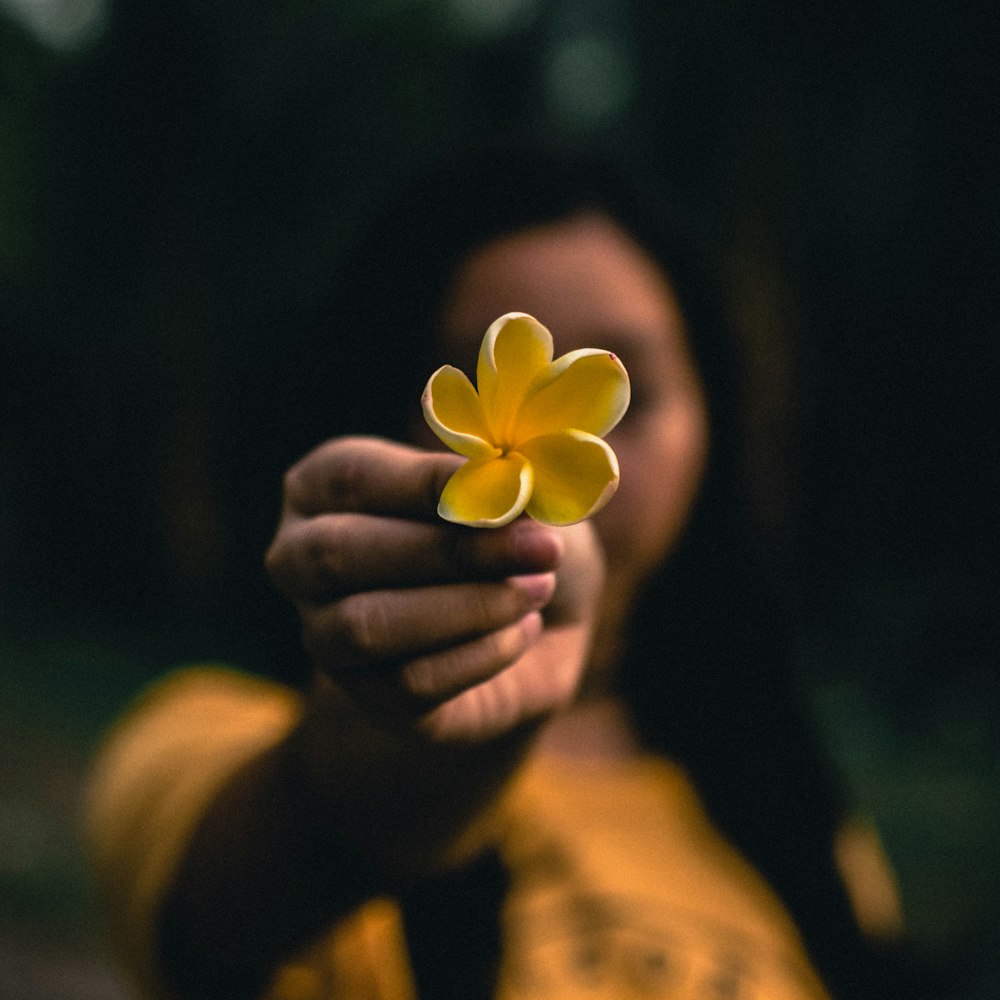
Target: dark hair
{"points": [[710, 669]]}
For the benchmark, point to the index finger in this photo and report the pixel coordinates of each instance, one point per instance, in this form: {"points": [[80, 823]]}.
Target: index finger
{"points": [[369, 475]]}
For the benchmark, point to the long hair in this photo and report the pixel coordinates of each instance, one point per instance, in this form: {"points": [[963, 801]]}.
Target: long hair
{"points": [[710, 665]]}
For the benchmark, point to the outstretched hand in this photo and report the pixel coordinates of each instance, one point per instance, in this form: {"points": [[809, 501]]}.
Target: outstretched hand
{"points": [[453, 633]]}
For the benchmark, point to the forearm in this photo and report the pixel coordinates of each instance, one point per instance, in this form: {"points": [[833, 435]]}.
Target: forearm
{"points": [[335, 814], [259, 876], [418, 806]]}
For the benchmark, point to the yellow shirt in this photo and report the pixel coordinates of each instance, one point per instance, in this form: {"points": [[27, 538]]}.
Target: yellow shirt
{"points": [[620, 885]]}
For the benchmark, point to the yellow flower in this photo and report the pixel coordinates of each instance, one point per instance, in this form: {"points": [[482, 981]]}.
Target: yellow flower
{"points": [[532, 433]]}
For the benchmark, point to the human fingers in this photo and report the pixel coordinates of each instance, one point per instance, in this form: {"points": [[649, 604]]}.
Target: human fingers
{"points": [[536, 683], [404, 694], [370, 475], [372, 628], [580, 577], [319, 559]]}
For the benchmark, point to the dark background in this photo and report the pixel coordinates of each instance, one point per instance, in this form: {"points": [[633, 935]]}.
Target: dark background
{"points": [[177, 182]]}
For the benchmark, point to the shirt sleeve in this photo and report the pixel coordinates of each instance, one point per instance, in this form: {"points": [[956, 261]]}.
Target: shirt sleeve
{"points": [[160, 767]]}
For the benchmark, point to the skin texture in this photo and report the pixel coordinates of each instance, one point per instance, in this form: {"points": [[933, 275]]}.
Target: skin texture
{"points": [[443, 654], [593, 286], [439, 651], [437, 631]]}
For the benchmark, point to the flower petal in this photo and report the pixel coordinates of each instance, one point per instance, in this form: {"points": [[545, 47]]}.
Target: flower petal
{"points": [[454, 412], [515, 349], [487, 493], [587, 390], [576, 474]]}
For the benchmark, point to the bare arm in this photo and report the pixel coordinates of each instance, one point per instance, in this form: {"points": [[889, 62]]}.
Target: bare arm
{"points": [[438, 651]]}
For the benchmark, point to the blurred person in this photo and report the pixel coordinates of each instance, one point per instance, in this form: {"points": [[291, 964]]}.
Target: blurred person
{"points": [[530, 761]]}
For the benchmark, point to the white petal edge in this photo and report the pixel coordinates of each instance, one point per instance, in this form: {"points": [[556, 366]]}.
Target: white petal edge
{"points": [[486, 349], [606, 494], [527, 478], [469, 445], [557, 367]]}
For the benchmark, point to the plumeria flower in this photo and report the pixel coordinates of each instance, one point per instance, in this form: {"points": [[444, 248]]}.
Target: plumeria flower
{"points": [[532, 433]]}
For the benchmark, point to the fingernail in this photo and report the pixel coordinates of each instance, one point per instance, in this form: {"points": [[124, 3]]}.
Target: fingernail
{"points": [[536, 543], [537, 587], [532, 626]]}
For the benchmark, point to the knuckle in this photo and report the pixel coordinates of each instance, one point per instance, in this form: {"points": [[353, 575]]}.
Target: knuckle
{"points": [[489, 606], [327, 477], [342, 485], [346, 469], [292, 481], [507, 645], [480, 606], [439, 726], [279, 565], [326, 552], [419, 680], [362, 624], [274, 561]]}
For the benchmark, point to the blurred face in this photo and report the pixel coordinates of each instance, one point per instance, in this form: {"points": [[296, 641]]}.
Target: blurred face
{"points": [[593, 286]]}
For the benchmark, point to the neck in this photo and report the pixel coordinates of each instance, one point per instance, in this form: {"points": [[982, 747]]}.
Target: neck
{"points": [[593, 728]]}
